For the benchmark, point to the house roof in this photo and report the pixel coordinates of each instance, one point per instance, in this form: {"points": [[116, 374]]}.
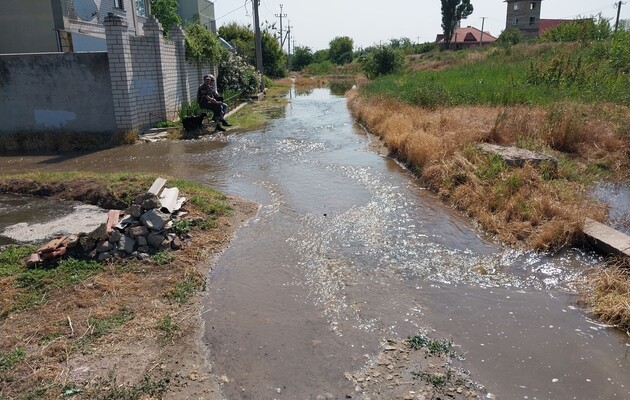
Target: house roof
{"points": [[546, 24], [468, 35]]}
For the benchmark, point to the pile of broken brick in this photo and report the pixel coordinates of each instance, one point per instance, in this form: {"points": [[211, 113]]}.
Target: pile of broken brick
{"points": [[145, 228]]}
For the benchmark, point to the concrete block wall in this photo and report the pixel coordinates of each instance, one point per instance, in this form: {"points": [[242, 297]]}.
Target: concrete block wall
{"points": [[56, 92], [138, 82]]}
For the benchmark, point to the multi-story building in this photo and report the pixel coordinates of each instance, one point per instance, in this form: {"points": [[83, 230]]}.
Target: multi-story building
{"points": [[524, 15], [36, 26]]}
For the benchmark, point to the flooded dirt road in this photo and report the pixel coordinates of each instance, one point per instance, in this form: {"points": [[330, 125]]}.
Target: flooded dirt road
{"points": [[348, 250]]}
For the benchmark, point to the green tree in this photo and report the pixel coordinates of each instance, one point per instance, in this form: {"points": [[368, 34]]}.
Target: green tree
{"points": [[453, 11], [340, 50], [242, 38], [165, 11], [274, 59], [302, 56], [202, 45], [511, 36], [382, 60], [320, 56]]}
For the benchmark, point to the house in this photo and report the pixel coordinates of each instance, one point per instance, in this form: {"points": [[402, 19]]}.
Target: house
{"points": [[468, 37], [36, 26], [525, 16], [137, 81]]}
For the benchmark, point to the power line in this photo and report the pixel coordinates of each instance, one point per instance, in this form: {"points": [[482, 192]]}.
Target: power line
{"points": [[281, 15], [236, 9]]}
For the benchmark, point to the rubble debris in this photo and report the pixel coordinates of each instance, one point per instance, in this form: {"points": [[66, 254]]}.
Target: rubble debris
{"points": [[145, 227]]}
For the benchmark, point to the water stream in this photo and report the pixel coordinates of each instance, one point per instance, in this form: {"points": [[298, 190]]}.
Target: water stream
{"points": [[348, 250]]}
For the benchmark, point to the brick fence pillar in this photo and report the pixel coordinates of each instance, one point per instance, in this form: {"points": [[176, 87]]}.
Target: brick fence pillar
{"points": [[120, 70], [177, 36], [154, 32]]}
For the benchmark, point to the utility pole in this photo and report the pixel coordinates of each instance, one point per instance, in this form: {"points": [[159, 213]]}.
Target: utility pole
{"points": [[618, 6], [483, 19], [257, 38], [281, 37], [289, 46]]}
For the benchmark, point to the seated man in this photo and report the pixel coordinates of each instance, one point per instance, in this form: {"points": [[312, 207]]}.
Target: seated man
{"points": [[209, 99]]}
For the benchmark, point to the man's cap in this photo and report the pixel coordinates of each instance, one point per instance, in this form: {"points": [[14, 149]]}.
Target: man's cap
{"points": [[208, 77]]}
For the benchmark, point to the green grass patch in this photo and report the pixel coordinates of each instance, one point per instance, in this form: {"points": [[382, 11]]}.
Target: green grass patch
{"points": [[518, 75], [437, 380], [433, 346], [104, 326], [168, 327], [186, 288], [163, 258], [8, 360], [12, 257]]}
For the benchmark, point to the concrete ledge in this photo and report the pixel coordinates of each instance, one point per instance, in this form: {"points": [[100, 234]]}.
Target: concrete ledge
{"points": [[515, 157], [606, 239]]}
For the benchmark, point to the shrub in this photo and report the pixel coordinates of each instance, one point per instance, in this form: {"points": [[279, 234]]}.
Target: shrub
{"points": [[383, 60], [202, 45], [511, 36], [236, 75], [594, 28]]}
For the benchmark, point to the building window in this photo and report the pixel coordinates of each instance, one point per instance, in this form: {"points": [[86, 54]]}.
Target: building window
{"points": [[118, 4], [516, 7], [532, 20], [532, 6], [515, 21], [141, 8]]}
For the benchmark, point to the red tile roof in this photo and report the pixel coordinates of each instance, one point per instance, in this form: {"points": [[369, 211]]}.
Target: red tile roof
{"points": [[468, 35]]}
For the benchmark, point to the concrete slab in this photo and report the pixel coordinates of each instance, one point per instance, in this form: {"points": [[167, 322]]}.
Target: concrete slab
{"points": [[517, 157], [606, 239]]}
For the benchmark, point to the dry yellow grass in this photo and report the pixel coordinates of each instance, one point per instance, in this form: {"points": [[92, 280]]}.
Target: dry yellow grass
{"points": [[609, 298], [520, 206]]}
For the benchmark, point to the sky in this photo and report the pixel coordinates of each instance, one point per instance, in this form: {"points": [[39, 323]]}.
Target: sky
{"points": [[315, 23]]}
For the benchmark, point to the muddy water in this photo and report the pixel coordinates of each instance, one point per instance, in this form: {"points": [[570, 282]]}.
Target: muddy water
{"points": [[348, 250]]}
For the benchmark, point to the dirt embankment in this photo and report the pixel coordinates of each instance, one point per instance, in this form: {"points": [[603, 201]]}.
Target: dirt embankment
{"points": [[131, 329]]}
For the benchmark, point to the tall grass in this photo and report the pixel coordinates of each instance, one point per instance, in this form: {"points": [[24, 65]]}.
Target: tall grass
{"points": [[542, 207], [519, 75]]}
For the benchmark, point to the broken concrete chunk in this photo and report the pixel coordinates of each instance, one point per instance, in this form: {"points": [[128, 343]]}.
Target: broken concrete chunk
{"points": [[142, 240], [100, 233], [155, 219], [155, 240], [87, 243], [517, 157], [138, 231], [176, 243], [135, 210], [104, 246], [150, 202], [115, 236], [127, 244]]}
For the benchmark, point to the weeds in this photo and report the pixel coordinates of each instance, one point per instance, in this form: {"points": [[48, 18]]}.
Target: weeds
{"points": [[437, 380], [8, 360], [168, 327], [433, 346], [104, 326], [163, 258], [182, 226], [110, 389], [11, 259], [186, 288]]}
